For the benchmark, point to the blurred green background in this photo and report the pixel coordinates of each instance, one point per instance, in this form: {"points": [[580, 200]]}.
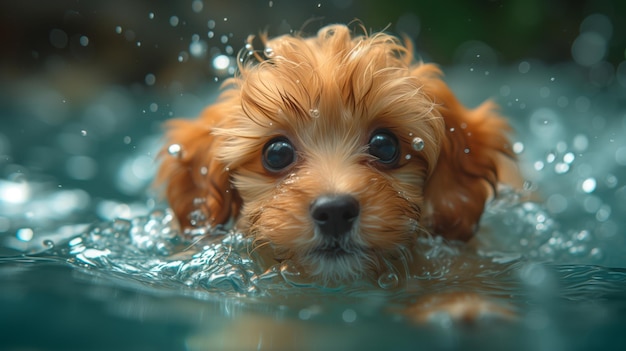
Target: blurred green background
{"points": [[154, 32]]}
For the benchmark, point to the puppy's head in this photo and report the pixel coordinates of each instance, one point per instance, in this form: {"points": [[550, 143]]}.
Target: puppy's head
{"points": [[337, 151]]}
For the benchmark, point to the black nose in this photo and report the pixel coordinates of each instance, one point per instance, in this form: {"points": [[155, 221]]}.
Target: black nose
{"points": [[334, 214]]}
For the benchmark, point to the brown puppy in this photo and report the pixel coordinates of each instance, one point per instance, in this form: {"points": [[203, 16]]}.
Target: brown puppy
{"points": [[336, 151]]}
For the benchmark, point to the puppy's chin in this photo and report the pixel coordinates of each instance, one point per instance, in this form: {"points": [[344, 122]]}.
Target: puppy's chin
{"points": [[336, 265]]}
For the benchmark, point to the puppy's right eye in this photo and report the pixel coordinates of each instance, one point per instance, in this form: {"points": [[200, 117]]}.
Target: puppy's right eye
{"points": [[278, 154]]}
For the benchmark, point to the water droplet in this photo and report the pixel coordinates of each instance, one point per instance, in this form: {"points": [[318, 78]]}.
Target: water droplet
{"points": [[197, 6], [48, 243], [589, 185], [175, 150], [150, 79], [524, 67], [174, 21], [314, 113], [198, 48], [349, 315], [221, 62], [561, 168], [417, 144], [24, 234], [388, 280]]}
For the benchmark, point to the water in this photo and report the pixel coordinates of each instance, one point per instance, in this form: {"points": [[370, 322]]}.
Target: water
{"points": [[91, 259]]}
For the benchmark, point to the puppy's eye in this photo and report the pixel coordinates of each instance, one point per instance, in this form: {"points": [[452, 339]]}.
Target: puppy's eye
{"points": [[278, 153], [384, 146]]}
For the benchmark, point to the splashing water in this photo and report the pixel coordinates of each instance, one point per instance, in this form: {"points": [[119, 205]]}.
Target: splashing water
{"points": [[151, 249]]}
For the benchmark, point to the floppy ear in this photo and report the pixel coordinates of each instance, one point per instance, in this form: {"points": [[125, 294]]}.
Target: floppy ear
{"points": [[197, 185], [475, 151]]}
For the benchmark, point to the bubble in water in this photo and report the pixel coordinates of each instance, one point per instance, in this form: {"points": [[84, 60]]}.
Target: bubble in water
{"points": [[174, 21], [417, 144], [83, 132], [175, 150], [268, 52], [48, 243], [118, 29], [518, 147], [151, 15], [84, 40]]}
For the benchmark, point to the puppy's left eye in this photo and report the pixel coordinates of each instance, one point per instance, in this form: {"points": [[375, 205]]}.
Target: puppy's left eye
{"points": [[278, 153], [384, 146]]}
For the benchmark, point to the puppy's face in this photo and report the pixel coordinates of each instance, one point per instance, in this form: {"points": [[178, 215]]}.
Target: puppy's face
{"points": [[324, 151]]}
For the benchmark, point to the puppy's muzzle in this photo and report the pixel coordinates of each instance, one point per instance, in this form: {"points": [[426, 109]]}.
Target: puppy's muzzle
{"points": [[334, 215]]}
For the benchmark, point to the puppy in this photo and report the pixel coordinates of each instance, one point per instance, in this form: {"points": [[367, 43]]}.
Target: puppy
{"points": [[336, 151]]}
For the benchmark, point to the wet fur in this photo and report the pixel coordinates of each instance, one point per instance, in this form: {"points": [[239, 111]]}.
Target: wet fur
{"points": [[327, 94]]}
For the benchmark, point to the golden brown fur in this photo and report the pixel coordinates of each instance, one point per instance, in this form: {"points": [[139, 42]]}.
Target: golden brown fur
{"points": [[326, 95]]}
